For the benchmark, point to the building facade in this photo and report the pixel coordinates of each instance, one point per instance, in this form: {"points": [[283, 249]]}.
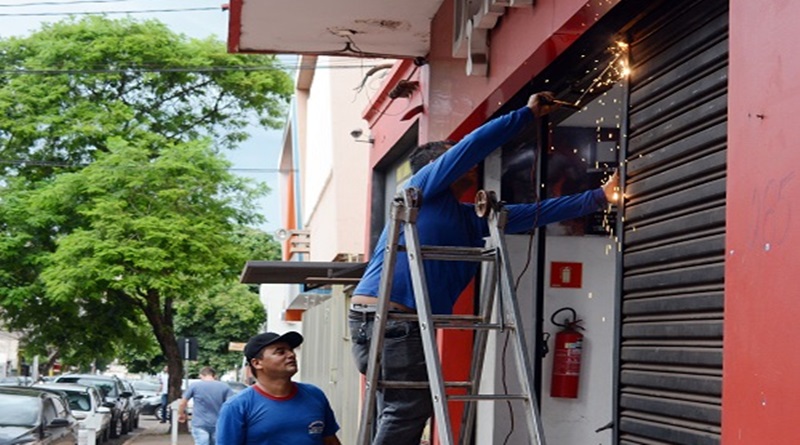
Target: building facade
{"points": [[684, 284]]}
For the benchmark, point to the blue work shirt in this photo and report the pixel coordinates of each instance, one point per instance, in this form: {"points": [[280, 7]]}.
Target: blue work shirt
{"points": [[444, 221]]}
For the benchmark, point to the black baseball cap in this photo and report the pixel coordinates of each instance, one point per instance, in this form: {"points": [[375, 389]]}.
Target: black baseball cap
{"points": [[264, 339]]}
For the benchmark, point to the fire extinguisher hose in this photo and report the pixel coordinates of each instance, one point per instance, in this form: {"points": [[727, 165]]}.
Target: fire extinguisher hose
{"points": [[572, 325]]}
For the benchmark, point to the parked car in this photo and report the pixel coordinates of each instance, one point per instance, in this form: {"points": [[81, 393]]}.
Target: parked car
{"points": [[87, 405], [151, 402], [35, 417], [135, 405], [146, 387], [114, 394]]}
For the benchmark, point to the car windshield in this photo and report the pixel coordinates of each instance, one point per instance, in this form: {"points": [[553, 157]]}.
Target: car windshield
{"points": [[79, 401], [107, 388], [18, 410]]}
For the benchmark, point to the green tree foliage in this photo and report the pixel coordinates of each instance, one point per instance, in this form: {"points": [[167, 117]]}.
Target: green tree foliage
{"points": [[227, 313], [115, 203], [158, 231], [130, 79]]}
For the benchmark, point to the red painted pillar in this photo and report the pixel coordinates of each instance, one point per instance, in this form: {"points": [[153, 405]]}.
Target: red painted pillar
{"points": [[761, 390]]}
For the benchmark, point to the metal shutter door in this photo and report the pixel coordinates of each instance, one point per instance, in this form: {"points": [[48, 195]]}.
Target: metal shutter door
{"points": [[670, 352]]}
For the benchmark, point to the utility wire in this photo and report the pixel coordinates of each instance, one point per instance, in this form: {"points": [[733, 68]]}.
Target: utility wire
{"points": [[33, 163], [67, 3], [137, 11], [144, 69]]}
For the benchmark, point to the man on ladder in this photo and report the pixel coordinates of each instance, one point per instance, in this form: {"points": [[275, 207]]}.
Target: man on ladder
{"points": [[441, 173]]}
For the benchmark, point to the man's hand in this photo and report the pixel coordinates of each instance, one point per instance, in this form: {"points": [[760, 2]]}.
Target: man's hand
{"points": [[182, 411], [611, 189], [542, 103]]}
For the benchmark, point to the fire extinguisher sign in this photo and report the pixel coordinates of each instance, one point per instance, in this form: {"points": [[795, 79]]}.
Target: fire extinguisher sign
{"points": [[566, 274]]}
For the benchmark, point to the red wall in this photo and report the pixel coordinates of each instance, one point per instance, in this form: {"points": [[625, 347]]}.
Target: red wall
{"points": [[761, 380], [524, 42]]}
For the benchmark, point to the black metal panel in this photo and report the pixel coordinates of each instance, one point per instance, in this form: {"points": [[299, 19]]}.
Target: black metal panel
{"points": [[673, 407], [674, 381], [673, 231], [695, 302], [678, 355]]}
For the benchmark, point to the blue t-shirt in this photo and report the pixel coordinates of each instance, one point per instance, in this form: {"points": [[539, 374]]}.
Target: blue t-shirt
{"points": [[208, 395], [444, 221], [254, 417]]}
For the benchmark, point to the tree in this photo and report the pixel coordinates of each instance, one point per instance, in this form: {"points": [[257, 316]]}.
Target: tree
{"points": [[78, 82], [159, 231], [228, 313], [143, 108]]}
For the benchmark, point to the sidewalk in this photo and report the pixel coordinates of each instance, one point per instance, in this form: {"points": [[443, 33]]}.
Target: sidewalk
{"points": [[157, 434]]}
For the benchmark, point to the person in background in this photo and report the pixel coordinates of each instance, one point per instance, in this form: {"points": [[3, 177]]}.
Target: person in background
{"points": [[163, 389], [209, 394], [276, 410], [443, 171]]}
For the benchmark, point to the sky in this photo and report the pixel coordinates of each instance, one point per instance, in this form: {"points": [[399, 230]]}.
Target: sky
{"points": [[195, 18]]}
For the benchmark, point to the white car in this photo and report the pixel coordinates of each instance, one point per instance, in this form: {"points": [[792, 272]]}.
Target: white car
{"points": [[87, 406]]}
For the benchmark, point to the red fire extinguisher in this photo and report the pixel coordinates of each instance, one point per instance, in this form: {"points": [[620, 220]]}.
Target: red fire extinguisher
{"points": [[567, 356]]}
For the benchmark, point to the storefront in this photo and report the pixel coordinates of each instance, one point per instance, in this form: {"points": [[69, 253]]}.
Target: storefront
{"points": [[698, 239], [650, 89]]}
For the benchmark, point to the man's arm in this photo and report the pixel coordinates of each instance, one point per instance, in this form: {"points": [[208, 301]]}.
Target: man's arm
{"points": [[437, 176], [525, 217], [331, 440], [476, 146], [182, 411]]}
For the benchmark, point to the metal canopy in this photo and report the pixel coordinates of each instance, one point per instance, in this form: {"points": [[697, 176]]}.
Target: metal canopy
{"points": [[376, 28], [301, 272]]}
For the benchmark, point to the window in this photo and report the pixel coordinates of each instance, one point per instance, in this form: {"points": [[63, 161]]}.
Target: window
{"points": [[48, 411]]}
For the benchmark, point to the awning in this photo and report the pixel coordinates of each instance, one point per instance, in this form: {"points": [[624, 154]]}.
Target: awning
{"points": [[375, 28], [313, 273]]}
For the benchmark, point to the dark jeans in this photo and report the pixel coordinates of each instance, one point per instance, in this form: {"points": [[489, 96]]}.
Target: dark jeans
{"points": [[401, 413], [164, 404]]}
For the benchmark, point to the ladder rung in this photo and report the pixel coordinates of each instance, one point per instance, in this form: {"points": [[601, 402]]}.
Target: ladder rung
{"points": [[466, 322], [480, 397], [420, 385], [455, 253]]}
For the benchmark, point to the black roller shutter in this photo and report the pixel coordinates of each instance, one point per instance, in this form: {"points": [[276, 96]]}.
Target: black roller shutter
{"points": [[670, 354]]}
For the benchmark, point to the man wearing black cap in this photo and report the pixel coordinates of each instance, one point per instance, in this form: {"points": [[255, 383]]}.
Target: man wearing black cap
{"points": [[276, 410]]}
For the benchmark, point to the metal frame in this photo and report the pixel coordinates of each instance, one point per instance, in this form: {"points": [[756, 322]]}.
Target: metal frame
{"points": [[497, 278]]}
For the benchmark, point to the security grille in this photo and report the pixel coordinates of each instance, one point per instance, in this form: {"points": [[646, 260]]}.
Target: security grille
{"points": [[670, 356]]}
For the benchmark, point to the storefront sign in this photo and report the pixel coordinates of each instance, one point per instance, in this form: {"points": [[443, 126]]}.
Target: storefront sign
{"points": [[568, 275]]}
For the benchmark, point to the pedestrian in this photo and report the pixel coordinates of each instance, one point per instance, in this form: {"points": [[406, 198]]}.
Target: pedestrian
{"points": [[163, 389], [209, 394], [442, 171], [276, 410]]}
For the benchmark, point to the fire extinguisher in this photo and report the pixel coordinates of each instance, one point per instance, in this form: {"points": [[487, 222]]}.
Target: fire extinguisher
{"points": [[567, 356]]}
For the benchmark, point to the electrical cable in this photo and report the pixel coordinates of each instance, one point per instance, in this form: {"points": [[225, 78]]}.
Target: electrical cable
{"points": [[67, 3], [537, 202], [134, 11], [145, 69], [33, 163]]}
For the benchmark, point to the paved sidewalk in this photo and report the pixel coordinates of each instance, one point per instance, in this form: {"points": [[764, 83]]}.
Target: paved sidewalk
{"points": [[158, 434]]}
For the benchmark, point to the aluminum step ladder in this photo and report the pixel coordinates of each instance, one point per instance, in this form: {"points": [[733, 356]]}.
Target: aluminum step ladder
{"points": [[496, 277]]}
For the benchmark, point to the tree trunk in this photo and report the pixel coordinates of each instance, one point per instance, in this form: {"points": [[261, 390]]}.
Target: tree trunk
{"points": [[161, 319], [44, 368]]}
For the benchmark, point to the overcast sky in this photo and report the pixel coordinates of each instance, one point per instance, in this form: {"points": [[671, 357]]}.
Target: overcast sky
{"points": [[21, 17]]}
